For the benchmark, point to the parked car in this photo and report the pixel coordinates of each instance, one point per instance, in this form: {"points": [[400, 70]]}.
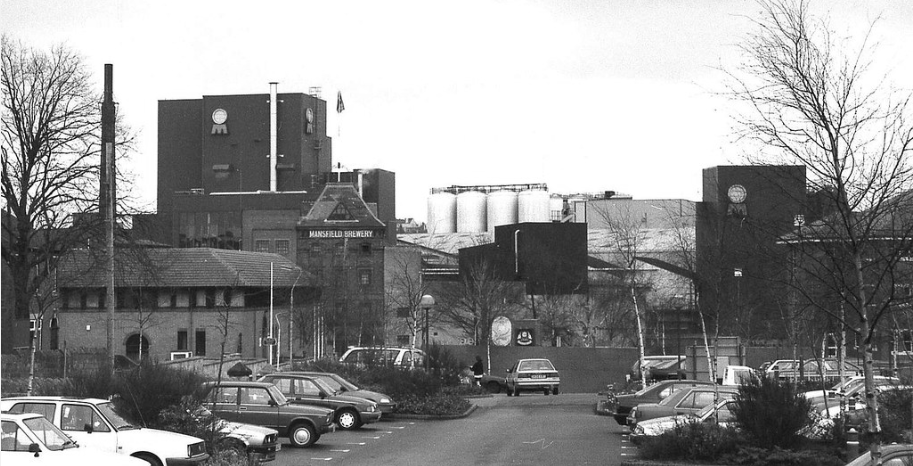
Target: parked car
{"points": [[655, 427], [738, 375], [367, 356], [30, 439], [850, 385], [493, 383], [259, 444], [532, 375], [351, 412], [665, 367], [97, 423], [687, 401], [262, 404], [384, 402], [888, 455], [790, 369], [620, 405]]}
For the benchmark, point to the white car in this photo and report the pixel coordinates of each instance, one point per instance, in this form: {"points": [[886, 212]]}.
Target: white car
{"points": [[397, 356], [655, 427], [30, 439], [95, 423]]}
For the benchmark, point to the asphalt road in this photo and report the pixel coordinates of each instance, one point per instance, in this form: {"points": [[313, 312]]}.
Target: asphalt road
{"points": [[531, 429]]}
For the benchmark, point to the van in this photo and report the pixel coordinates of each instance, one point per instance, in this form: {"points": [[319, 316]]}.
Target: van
{"points": [[387, 355]]}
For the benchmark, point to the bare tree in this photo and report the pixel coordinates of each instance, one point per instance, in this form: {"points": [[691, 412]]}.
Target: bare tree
{"points": [[813, 103], [405, 288]]}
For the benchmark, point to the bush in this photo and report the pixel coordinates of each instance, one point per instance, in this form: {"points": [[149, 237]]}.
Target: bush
{"points": [[754, 456], [771, 413], [895, 416], [692, 441]]}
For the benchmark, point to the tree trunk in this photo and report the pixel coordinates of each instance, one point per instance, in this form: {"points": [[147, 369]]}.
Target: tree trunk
{"points": [[640, 338]]}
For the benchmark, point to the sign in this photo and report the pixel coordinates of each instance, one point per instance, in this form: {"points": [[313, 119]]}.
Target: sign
{"points": [[341, 234], [525, 337], [269, 341]]}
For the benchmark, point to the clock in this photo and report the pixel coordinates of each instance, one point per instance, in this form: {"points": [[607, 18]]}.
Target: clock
{"points": [[737, 194], [309, 114], [219, 116]]}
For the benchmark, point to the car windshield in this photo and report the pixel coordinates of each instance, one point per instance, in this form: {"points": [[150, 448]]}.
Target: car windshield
{"points": [[278, 397], [49, 434], [332, 383], [536, 365], [345, 383], [114, 417]]}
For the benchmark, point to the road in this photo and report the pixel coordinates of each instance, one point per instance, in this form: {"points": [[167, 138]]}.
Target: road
{"points": [[531, 429]]}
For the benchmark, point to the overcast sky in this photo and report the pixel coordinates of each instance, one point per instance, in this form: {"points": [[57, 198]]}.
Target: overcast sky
{"points": [[584, 95]]}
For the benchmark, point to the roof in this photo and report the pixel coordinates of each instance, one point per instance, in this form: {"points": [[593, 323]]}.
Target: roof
{"points": [[340, 206], [181, 267]]}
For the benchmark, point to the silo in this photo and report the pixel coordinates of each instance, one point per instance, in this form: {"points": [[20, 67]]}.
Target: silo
{"points": [[502, 209], [442, 213], [471, 212], [555, 208], [532, 206]]}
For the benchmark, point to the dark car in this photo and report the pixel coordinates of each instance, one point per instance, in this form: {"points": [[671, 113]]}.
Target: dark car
{"points": [[687, 401], [341, 385], [351, 412], [887, 455], [620, 405], [262, 404]]}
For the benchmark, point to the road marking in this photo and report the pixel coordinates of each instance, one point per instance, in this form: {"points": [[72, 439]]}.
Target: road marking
{"points": [[386, 432], [342, 451], [356, 443], [397, 427], [544, 446], [375, 438], [322, 459]]}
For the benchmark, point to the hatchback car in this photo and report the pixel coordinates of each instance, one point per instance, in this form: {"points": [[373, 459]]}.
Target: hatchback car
{"points": [[388, 355], [532, 375], [352, 412], [384, 402], [31, 439], [262, 404], [620, 405], [688, 401], [719, 413], [97, 423]]}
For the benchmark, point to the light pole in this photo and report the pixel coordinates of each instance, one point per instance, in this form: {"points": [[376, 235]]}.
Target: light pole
{"points": [[427, 302], [271, 341]]}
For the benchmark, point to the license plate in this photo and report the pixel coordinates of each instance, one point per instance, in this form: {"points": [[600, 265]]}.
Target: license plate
{"points": [[538, 376]]}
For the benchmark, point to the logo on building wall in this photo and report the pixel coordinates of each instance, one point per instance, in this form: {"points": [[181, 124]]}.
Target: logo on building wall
{"points": [[219, 117], [341, 234], [500, 331], [737, 195], [524, 337], [309, 116]]}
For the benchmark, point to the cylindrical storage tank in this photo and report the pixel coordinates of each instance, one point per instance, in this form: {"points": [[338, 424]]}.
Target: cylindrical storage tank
{"points": [[442, 213], [502, 209], [532, 206], [472, 212], [555, 208]]}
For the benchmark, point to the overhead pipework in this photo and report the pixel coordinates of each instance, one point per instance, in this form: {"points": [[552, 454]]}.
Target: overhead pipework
{"points": [[273, 134]]}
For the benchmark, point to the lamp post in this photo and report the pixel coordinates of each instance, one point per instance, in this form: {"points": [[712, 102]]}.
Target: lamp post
{"points": [[271, 341], [427, 302]]}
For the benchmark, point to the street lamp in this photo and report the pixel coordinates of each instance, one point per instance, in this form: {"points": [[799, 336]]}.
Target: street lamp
{"points": [[427, 302]]}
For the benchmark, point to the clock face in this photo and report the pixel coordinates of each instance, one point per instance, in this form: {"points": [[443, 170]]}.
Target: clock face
{"points": [[219, 116], [737, 193], [309, 114]]}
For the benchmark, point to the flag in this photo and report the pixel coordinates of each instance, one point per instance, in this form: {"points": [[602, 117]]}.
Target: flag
{"points": [[339, 105]]}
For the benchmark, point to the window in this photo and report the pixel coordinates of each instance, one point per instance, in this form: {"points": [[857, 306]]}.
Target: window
{"points": [[210, 298], [316, 249], [240, 343], [340, 213], [282, 246], [55, 334], [182, 340], [200, 349], [254, 396], [13, 438], [261, 245], [81, 418], [306, 388], [366, 248], [45, 409], [402, 312], [364, 277], [402, 340], [226, 395]]}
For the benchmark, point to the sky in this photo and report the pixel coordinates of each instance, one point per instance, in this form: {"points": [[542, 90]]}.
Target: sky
{"points": [[583, 95]]}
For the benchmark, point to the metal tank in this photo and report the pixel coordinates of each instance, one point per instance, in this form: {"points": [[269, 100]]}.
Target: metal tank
{"points": [[533, 205], [472, 212], [442, 213], [502, 209]]}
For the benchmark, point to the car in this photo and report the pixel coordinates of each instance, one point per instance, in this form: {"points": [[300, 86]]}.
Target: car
{"points": [[790, 368], [30, 438], [262, 404], [384, 402], [885, 455], [351, 412], [97, 423], [493, 383], [532, 375], [718, 413], [620, 405], [259, 444], [848, 386], [397, 356], [687, 401]]}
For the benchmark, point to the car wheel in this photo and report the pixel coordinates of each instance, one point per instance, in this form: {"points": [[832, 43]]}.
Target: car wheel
{"points": [[545, 391], [347, 419], [516, 391], [508, 390], [302, 435], [555, 390], [152, 460], [493, 387]]}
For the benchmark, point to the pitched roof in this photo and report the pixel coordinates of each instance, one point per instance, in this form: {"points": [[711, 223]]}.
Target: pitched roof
{"points": [[185, 267], [340, 206]]}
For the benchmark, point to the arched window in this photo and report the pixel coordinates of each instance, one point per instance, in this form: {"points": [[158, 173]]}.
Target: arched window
{"points": [[133, 345]]}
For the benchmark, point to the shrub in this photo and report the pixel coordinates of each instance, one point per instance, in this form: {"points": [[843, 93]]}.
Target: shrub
{"points": [[692, 441], [894, 413], [770, 412], [754, 456]]}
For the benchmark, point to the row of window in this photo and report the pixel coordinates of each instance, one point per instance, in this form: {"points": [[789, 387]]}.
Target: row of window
{"points": [[282, 246], [317, 248], [153, 298]]}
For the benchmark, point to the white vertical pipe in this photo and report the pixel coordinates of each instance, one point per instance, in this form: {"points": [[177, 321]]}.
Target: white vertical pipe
{"points": [[273, 137]]}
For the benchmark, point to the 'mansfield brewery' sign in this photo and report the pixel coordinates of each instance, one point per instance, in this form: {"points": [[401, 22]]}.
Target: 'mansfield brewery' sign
{"points": [[342, 234]]}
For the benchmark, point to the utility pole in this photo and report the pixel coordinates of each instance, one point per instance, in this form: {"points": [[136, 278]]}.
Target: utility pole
{"points": [[106, 201]]}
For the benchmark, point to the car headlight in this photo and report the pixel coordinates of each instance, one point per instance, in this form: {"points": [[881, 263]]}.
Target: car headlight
{"points": [[195, 449], [638, 430]]}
